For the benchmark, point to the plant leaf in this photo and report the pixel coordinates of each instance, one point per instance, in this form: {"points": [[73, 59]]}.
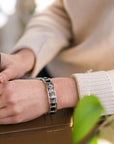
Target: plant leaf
{"points": [[93, 140], [86, 115]]}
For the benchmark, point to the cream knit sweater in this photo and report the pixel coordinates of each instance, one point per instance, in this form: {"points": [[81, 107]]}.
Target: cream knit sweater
{"points": [[72, 37]]}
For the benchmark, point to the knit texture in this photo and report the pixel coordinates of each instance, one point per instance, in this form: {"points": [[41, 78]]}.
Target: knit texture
{"points": [[98, 84]]}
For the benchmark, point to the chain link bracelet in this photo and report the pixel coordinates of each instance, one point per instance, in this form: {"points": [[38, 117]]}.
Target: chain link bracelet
{"points": [[52, 98]]}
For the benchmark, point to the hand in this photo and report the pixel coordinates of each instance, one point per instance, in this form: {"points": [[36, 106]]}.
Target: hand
{"points": [[16, 65], [22, 100]]}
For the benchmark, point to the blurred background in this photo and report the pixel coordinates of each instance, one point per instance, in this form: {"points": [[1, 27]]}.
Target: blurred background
{"points": [[14, 15]]}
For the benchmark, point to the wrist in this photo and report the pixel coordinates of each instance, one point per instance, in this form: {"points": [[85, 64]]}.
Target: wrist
{"points": [[66, 91], [26, 59], [41, 88]]}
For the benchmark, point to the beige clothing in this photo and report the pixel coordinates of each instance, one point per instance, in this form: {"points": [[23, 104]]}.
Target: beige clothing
{"points": [[77, 36]]}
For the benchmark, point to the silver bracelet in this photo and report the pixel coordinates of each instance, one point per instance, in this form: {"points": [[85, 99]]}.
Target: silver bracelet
{"points": [[52, 98]]}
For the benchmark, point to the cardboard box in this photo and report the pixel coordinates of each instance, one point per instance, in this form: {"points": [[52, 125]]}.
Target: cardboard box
{"points": [[48, 129]]}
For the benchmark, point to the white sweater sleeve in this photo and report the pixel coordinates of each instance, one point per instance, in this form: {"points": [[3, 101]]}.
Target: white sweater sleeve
{"points": [[46, 34], [100, 84]]}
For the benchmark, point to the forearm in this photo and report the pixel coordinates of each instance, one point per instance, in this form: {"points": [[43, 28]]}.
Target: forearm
{"points": [[66, 91]]}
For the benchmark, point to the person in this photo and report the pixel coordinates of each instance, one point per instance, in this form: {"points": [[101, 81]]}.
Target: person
{"points": [[73, 38]]}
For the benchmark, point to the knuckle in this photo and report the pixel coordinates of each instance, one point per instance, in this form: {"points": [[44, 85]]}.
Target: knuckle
{"points": [[5, 75], [10, 99], [10, 92], [9, 88], [16, 110]]}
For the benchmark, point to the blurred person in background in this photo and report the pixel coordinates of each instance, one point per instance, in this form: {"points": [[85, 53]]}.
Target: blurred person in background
{"points": [[71, 38], [14, 15]]}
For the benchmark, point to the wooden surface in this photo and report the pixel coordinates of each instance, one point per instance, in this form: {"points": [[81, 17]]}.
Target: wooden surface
{"points": [[48, 129]]}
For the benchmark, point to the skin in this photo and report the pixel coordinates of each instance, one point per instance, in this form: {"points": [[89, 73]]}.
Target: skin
{"points": [[24, 100]]}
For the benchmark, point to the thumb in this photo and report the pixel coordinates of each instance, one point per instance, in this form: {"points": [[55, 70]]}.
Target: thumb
{"points": [[5, 71], [6, 75]]}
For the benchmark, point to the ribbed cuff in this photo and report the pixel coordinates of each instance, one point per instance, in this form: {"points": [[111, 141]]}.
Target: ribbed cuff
{"points": [[99, 84]]}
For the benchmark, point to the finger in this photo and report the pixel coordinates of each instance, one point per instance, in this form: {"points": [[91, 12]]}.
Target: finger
{"points": [[6, 75], [6, 112], [3, 104], [9, 120]]}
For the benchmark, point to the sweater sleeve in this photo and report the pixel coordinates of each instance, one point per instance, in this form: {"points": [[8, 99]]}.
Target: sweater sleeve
{"points": [[46, 34], [100, 84]]}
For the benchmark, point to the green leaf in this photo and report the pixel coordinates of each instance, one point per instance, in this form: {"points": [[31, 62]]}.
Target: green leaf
{"points": [[86, 115], [93, 140]]}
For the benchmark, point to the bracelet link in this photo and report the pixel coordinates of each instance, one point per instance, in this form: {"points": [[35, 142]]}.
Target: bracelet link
{"points": [[52, 98]]}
